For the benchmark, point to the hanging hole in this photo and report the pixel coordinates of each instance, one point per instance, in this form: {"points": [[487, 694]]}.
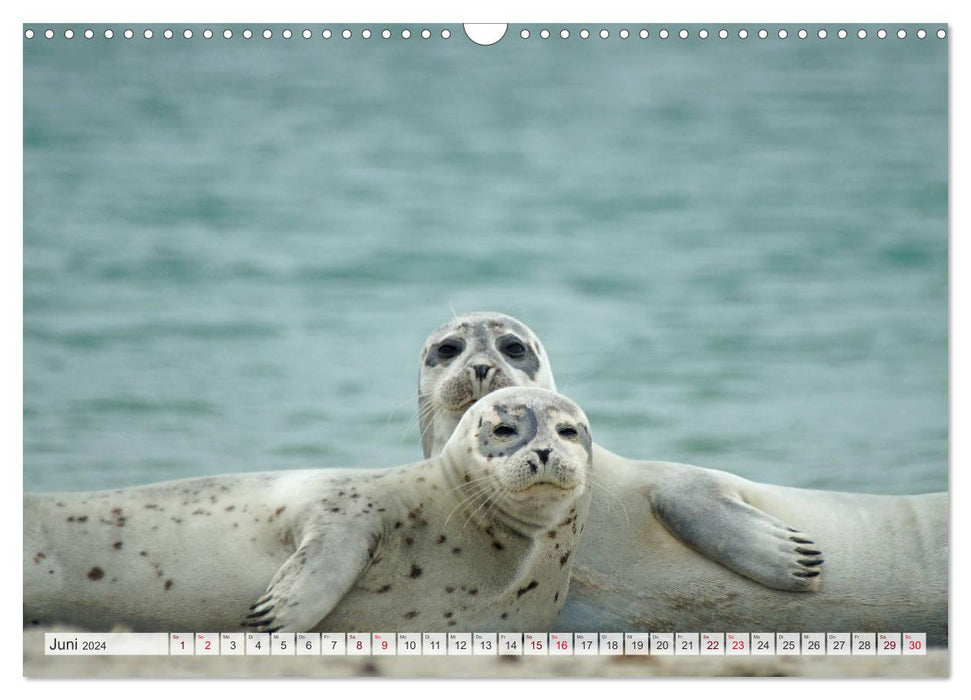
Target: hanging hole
{"points": [[485, 34]]}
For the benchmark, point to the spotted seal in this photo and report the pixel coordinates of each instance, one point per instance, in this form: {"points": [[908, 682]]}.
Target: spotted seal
{"points": [[479, 537]]}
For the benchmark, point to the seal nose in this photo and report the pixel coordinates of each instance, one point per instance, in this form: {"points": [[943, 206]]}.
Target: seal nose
{"points": [[544, 455], [481, 371]]}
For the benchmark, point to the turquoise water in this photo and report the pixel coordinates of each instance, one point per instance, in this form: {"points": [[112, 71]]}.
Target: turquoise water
{"points": [[734, 252]]}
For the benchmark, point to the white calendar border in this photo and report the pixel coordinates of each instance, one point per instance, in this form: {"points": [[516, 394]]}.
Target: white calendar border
{"points": [[498, 10]]}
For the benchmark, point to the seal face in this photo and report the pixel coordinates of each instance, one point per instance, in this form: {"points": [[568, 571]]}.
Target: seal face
{"points": [[482, 536], [467, 358], [539, 451]]}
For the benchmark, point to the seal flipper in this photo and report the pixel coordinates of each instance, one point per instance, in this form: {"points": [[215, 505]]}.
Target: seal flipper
{"points": [[707, 516], [315, 578]]}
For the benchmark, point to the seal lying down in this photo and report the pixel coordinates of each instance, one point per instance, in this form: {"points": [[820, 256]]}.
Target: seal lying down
{"points": [[480, 537], [676, 547]]}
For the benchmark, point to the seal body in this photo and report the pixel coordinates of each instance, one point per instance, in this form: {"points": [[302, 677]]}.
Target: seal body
{"points": [[675, 547], [886, 560], [481, 537], [191, 554]]}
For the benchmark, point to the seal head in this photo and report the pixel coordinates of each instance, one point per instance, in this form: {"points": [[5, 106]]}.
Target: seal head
{"points": [[467, 358], [525, 450]]}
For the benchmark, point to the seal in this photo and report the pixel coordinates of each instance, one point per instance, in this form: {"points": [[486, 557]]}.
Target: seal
{"points": [[493, 351], [480, 537], [676, 547], [474, 354]]}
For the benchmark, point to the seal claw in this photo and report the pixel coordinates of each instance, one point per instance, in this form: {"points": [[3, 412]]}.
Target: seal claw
{"points": [[806, 574]]}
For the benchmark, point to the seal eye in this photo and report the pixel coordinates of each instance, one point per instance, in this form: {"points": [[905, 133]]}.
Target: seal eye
{"points": [[504, 431], [514, 349], [448, 350], [568, 432]]}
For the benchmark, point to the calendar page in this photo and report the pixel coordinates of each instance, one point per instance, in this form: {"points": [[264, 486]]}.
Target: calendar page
{"points": [[509, 350]]}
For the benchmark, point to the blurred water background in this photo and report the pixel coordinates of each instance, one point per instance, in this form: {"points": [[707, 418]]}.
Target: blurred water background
{"points": [[735, 252]]}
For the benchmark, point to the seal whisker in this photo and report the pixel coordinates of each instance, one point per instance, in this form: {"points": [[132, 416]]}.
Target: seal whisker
{"points": [[503, 491], [428, 425], [496, 501], [469, 483], [473, 492], [481, 498], [483, 502], [424, 411], [395, 405], [467, 500]]}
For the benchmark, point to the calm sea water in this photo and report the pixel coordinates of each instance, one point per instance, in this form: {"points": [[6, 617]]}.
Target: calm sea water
{"points": [[734, 252]]}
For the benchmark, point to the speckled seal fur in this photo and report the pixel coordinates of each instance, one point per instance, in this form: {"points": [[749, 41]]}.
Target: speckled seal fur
{"points": [[672, 546], [481, 537]]}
